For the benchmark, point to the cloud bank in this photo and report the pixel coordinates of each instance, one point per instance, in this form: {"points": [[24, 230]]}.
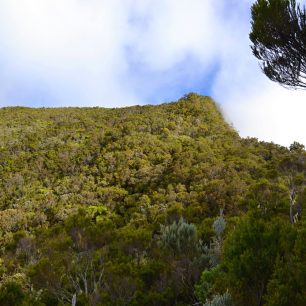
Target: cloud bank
{"points": [[127, 52]]}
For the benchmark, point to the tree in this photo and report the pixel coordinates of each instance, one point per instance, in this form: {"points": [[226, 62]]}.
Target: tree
{"points": [[250, 253], [279, 41], [292, 168], [187, 257], [288, 283], [12, 293], [180, 237]]}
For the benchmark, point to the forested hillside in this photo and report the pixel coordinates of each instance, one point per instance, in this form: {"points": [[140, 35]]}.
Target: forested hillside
{"points": [[148, 205]]}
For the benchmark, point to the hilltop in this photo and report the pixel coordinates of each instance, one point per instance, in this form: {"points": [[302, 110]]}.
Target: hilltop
{"points": [[111, 190], [54, 161]]}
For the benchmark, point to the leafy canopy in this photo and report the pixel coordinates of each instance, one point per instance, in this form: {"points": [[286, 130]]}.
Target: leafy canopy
{"points": [[279, 41]]}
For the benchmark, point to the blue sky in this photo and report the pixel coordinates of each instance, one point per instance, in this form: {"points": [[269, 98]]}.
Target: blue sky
{"points": [[124, 52]]}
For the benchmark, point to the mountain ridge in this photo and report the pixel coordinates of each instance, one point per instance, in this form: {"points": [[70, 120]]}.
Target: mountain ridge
{"points": [[135, 193]]}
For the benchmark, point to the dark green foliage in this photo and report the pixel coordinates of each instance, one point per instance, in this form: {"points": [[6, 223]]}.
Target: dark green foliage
{"points": [[209, 284], [297, 147], [279, 40], [288, 282], [12, 293], [250, 254]]}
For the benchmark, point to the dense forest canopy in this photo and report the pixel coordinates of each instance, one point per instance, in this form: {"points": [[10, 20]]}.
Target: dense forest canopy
{"points": [[147, 205]]}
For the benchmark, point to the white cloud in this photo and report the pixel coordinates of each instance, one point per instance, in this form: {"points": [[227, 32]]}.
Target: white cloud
{"points": [[75, 48], [124, 52], [174, 29], [85, 52], [256, 106], [274, 114]]}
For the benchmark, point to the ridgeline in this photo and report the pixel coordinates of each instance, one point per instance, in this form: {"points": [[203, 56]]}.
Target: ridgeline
{"points": [[147, 205]]}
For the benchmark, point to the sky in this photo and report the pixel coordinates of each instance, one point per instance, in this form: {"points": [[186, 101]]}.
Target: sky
{"points": [[114, 53]]}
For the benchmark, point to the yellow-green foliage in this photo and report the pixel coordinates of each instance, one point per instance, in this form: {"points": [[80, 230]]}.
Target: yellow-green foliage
{"points": [[85, 192]]}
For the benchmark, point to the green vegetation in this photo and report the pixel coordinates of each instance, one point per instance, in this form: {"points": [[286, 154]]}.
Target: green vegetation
{"points": [[150, 205]]}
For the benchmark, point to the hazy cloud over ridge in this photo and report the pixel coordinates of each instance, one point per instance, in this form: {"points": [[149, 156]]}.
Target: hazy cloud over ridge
{"points": [[125, 52]]}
